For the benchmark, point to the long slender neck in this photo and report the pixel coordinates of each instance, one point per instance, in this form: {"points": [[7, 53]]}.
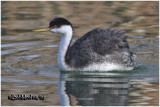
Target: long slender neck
{"points": [[64, 45]]}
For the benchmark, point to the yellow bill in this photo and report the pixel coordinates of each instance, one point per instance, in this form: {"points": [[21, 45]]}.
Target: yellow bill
{"points": [[41, 30]]}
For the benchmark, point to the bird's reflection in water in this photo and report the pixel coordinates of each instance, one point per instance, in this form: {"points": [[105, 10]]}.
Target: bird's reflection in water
{"points": [[94, 88]]}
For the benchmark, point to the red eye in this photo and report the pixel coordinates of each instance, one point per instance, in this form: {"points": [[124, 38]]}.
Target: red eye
{"points": [[54, 26]]}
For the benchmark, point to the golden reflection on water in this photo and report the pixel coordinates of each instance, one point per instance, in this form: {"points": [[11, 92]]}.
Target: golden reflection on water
{"points": [[29, 59]]}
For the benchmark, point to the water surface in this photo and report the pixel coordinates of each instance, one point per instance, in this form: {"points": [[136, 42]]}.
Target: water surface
{"points": [[29, 59]]}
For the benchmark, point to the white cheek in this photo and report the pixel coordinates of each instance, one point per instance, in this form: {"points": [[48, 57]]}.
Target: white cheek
{"points": [[62, 30], [54, 30]]}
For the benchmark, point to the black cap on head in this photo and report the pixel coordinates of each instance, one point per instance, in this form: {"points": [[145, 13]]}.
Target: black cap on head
{"points": [[59, 22]]}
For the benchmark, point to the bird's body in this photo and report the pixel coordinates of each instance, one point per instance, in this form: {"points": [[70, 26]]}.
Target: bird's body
{"points": [[102, 50], [98, 50]]}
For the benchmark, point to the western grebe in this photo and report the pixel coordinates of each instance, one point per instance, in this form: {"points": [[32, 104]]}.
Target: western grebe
{"points": [[98, 50]]}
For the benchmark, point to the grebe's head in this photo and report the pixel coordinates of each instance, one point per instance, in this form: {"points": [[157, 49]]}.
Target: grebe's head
{"points": [[59, 25]]}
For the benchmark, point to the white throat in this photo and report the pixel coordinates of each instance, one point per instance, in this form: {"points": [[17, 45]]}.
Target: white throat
{"points": [[66, 37]]}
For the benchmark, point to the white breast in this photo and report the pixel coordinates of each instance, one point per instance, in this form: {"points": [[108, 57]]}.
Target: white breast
{"points": [[105, 67]]}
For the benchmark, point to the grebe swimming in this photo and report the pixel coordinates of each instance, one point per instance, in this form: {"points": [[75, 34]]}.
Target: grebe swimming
{"points": [[98, 50]]}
